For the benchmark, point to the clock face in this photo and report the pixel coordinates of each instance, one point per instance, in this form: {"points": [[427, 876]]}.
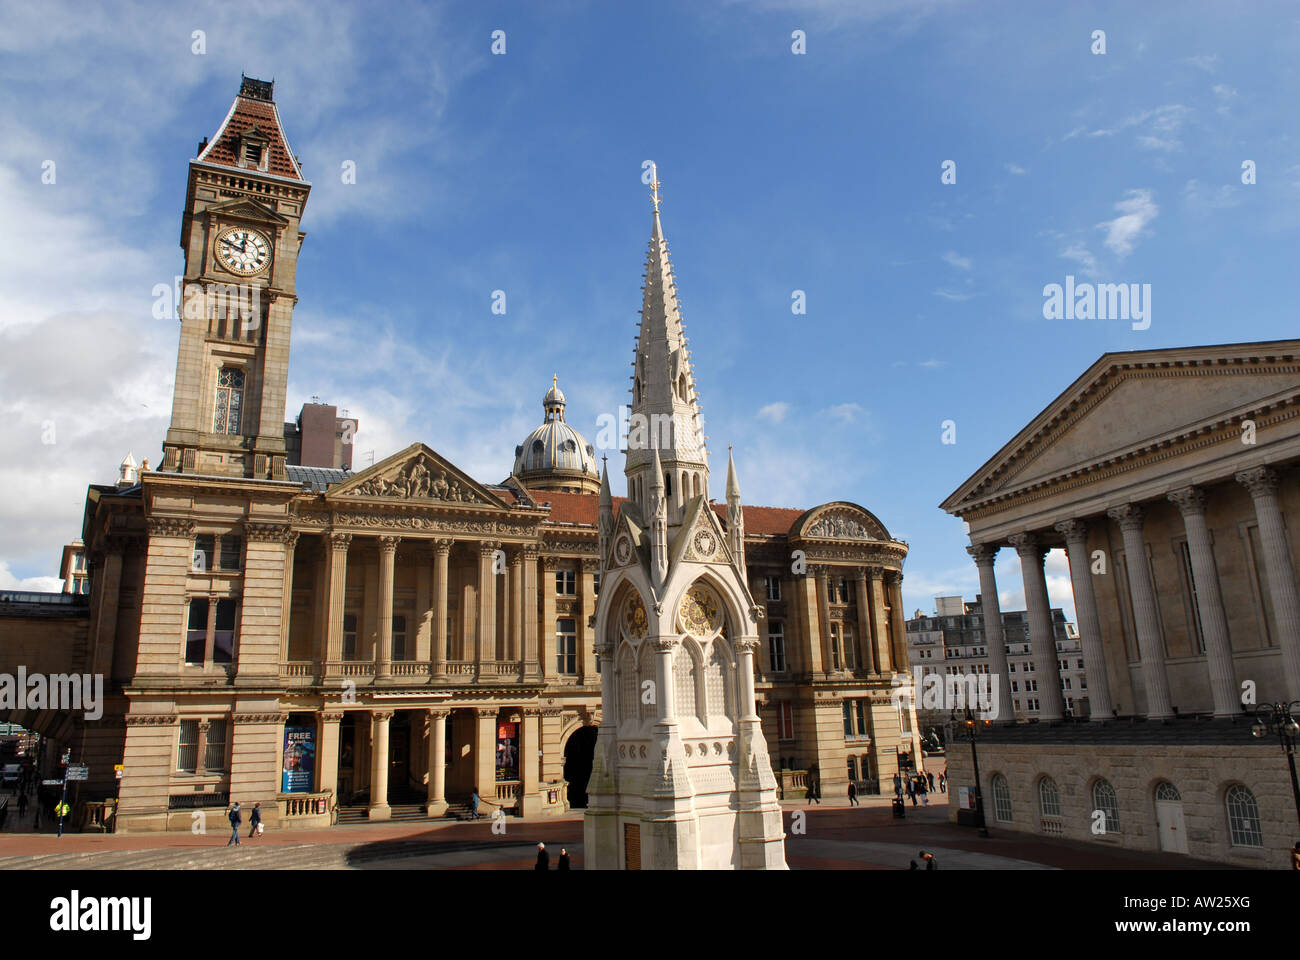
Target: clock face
{"points": [[243, 251]]}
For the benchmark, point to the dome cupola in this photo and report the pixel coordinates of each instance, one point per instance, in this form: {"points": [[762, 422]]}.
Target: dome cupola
{"points": [[555, 456]]}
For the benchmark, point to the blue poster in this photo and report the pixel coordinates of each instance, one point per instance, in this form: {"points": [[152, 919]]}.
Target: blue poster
{"points": [[299, 760]]}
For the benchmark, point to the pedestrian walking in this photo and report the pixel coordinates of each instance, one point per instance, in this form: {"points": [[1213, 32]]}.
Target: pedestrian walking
{"points": [[563, 863], [898, 786], [943, 781], [930, 777], [473, 804], [814, 789], [22, 805], [254, 820], [543, 858], [236, 818], [853, 793], [925, 793], [911, 791]]}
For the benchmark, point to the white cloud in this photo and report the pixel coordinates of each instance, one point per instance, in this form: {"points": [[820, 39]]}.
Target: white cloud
{"points": [[774, 412], [38, 584], [1015, 169], [848, 412], [953, 259], [1137, 210], [955, 296], [1202, 198], [1081, 255]]}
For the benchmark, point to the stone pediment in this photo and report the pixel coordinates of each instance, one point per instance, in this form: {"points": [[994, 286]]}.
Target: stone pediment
{"points": [[415, 474], [839, 520], [247, 209], [1129, 401], [701, 538]]}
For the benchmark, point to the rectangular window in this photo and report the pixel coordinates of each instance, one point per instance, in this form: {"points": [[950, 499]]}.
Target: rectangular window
{"points": [[850, 654], [853, 769], [214, 756], [223, 637], [399, 637], [566, 583], [595, 584], [205, 545], [229, 399], [187, 753], [252, 153], [196, 633], [350, 636], [848, 719], [566, 646], [785, 721], [773, 589], [835, 646], [860, 715], [776, 645], [232, 552]]}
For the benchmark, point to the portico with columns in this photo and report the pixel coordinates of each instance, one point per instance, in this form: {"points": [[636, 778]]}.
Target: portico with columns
{"points": [[1171, 478]]}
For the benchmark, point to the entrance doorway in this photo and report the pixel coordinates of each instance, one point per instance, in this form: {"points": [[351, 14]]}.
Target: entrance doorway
{"points": [[1169, 819], [399, 758], [578, 754]]}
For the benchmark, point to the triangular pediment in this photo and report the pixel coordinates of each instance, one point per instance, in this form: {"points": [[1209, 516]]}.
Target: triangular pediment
{"points": [[1128, 402], [417, 474], [628, 546], [700, 538], [247, 209]]}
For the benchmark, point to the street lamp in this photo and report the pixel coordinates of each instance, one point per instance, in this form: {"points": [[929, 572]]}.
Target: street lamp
{"points": [[1280, 718], [968, 722]]}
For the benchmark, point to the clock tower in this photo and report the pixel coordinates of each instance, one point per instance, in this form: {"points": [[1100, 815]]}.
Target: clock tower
{"points": [[241, 240]]}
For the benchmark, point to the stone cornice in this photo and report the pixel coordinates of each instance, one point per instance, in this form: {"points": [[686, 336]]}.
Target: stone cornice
{"points": [[258, 532], [170, 527], [152, 720], [260, 717]]}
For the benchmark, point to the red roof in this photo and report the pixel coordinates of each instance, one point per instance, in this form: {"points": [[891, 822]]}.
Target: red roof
{"points": [[245, 114], [583, 509]]}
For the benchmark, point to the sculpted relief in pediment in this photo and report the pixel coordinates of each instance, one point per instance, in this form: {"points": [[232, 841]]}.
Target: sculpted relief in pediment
{"points": [[420, 479]]}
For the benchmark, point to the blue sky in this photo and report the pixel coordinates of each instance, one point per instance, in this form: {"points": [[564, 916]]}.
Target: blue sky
{"points": [[817, 172]]}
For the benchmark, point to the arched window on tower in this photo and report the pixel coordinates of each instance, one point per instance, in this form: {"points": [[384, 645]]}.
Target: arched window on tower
{"points": [[229, 401], [696, 486]]}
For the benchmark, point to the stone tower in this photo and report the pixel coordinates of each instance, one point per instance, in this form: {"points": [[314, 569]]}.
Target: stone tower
{"points": [[681, 777], [241, 240]]}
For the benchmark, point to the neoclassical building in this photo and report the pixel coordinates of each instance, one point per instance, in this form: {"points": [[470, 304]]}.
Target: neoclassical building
{"points": [[1170, 479], [336, 645]]}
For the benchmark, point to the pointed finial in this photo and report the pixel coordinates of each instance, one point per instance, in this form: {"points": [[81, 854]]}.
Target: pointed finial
{"points": [[555, 379], [654, 185], [733, 485]]}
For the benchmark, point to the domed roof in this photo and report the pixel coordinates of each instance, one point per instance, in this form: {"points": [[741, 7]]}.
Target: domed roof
{"points": [[555, 450]]}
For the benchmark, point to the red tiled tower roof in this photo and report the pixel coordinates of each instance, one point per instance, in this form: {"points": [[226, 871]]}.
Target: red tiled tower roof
{"points": [[253, 112]]}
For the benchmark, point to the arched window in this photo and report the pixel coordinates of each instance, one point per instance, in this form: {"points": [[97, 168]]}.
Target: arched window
{"points": [[1049, 798], [1243, 817], [717, 680], [1168, 792], [229, 401], [686, 487], [696, 485], [646, 675], [681, 386], [627, 691], [1001, 798], [684, 673], [1104, 799]]}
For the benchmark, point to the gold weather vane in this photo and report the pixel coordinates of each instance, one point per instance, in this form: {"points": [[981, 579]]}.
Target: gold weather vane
{"points": [[654, 185]]}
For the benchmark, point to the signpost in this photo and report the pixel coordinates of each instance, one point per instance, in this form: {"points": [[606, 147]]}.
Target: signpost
{"points": [[77, 771]]}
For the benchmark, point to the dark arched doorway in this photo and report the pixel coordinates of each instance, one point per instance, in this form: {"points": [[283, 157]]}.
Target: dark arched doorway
{"points": [[577, 764]]}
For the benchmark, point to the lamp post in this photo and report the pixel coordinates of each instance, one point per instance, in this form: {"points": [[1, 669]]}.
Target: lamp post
{"points": [[1280, 718], [968, 722]]}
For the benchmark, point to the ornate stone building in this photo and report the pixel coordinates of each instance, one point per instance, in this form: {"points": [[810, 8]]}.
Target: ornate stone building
{"points": [[380, 644], [1169, 477]]}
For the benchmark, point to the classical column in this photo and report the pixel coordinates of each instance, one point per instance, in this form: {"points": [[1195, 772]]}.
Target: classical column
{"points": [[516, 604], [530, 803], [338, 581], [549, 566], [897, 622], [869, 656], [995, 641], [1209, 602], [830, 654], [1262, 483], [438, 655], [379, 809], [201, 749], [810, 644], [879, 623], [485, 644], [327, 755], [320, 626], [485, 754], [1085, 608], [665, 699], [531, 666], [1150, 643], [387, 564], [436, 805], [1042, 639], [586, 622], [423, 601], [286, 592]]}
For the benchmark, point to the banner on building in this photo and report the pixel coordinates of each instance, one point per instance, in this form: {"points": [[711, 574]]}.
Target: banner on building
{"points": [[507, 751], [299, 760]]}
